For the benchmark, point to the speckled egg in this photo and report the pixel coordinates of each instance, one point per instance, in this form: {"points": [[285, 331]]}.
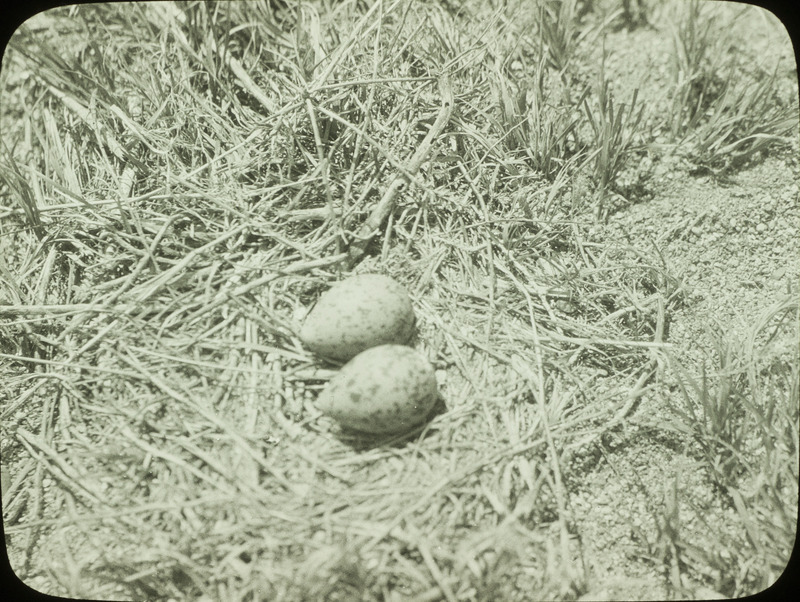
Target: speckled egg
{"points": [[385, 389], [357, 313]]}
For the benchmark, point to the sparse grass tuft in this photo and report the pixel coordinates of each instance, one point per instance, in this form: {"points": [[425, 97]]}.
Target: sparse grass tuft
{"points": [[560, 31], [698, 48], [744, 121], [725, 114], [537, 121], [615, 129], [745, 427]]}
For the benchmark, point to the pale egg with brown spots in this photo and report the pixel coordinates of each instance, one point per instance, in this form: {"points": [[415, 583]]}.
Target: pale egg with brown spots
{"points": [[384, 389], [357, 313]]}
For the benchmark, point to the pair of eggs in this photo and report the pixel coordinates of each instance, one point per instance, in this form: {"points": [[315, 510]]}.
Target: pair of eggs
{"points": [[385, 386]]}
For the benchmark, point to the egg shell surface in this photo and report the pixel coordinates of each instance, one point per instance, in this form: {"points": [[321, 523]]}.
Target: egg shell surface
{"points": [[357, 313], [385, 389]]}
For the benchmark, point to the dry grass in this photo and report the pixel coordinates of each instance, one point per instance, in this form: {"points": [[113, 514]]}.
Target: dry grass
{"points": [[180, 182]]}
